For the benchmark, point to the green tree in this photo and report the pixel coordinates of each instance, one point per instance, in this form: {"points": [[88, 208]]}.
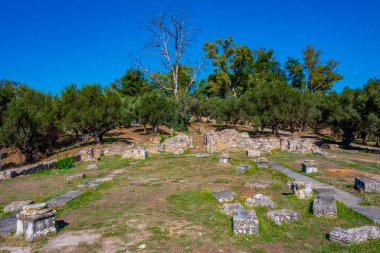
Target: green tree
{"points": [[320, 77], [295, 74], [266, 68], [100, 111], [29, 122], [7, 92], [132, 83]]}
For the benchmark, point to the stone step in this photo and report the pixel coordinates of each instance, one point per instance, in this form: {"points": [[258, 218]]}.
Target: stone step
{"points": [[63, 199]]}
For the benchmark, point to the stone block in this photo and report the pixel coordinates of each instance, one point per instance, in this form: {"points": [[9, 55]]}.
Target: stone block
{"points": [[91, 184], [253, 153], [74, 177], [232, 208], [17, 205], [224, 159], [92, 166], [224, 196], [242, 168], [246, 223], [309, 166], [139, 153], [367, 184], [324, 204], [300, 189], [262, 162], [255, 183], [63, 199], [8, 225], [260, 200], [34, 221], [283, 216], [354, 235], [200, 155]]}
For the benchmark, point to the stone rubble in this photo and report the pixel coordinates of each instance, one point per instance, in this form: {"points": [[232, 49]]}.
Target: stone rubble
{"points": [[324, 204], [354, 235], [34, 221], [17, 205], [245, 222], [177, 144], [242, 168], [367, 184], [309, 166], [255, 183], [224, 196], [300, 189], [260, 200], [283, 216], [232, 208]]}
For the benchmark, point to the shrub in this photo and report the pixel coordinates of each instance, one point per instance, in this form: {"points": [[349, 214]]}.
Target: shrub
{"points": [[65, 163]]}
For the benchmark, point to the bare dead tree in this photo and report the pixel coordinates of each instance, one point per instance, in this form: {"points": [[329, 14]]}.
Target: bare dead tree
{"points": [[170, 36]]}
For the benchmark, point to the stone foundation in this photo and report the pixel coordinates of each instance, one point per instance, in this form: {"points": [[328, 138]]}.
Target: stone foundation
{"points": [[324, 204], [300, 189], [283, 216]]}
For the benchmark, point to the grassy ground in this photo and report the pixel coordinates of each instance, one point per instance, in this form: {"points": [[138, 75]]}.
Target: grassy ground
{"points": [[165, 204]]}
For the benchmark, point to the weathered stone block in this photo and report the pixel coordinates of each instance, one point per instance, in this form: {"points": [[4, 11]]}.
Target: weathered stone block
{"points": [[283, 216], [324, 204], [63, 199], [242, 168], [246, 223], [224, 159], [92, 166], [199, 155], [91, 184], [253, 153], [232, 208], [255, 183], [367, 184], [300, 189], [34, 221], [224, 196], [138, 153], [177, 144], [74, 177], [309, 166], [262, 162], [354, 235], [17, 205], [260, 200]]}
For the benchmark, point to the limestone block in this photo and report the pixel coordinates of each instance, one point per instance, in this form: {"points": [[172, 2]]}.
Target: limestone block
{"points": [[224, 159], [224, 196], [354, 235], [300, 189], [253, 153], [242, 168], [246, 223], [139, 153], [324, 204], [232, 208], [283, 216], [17, 205], [34, 221], [367, 184], [255, 183], [260, 200], [309, 166]]}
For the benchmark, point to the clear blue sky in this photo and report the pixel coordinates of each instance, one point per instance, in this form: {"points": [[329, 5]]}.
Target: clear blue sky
{"points": [[49, 44]]}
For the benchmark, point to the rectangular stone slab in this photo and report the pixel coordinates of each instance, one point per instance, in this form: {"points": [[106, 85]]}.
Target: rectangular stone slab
{"points": [[63, 199], [8, 225], [17, 205], [367, 184], [75, 177]]}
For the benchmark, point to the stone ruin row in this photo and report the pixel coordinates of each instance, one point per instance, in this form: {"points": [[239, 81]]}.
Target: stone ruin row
{"points": [[176, 145], [367, 184], [219, 141]]}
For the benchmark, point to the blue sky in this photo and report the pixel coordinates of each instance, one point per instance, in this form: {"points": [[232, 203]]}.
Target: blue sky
{"points": [[49, 44]]}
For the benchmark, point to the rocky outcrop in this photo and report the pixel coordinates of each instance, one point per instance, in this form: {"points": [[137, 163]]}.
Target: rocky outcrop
{"points": [[220, 141]]}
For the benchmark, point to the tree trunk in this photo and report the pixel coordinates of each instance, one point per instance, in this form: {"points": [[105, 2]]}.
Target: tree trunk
{"points": [[347, 137], [98, 137], [155, 128], [145, 129], [363, 136]]}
